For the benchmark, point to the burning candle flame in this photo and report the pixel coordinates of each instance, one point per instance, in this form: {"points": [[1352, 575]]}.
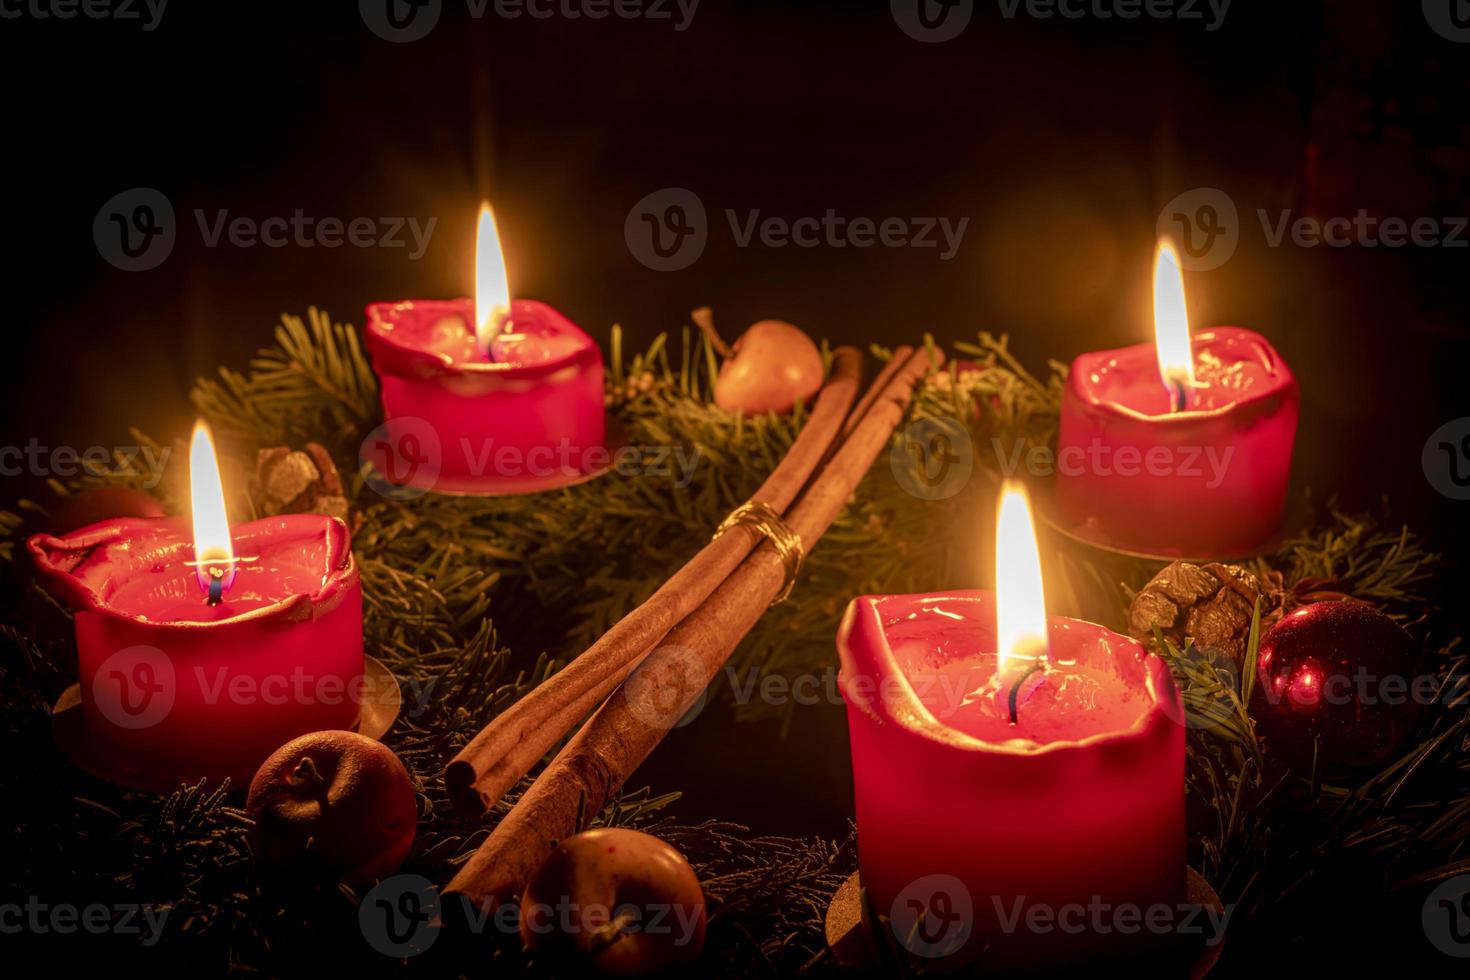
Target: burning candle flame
{"points": [[1020, 605], [492, 288], [214, 555], [1171, 321]]}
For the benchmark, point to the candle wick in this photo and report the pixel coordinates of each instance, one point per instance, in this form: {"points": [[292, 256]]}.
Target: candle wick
{"points": [[499, 321], [1016, 689], [1178, 395], [216, 586]]}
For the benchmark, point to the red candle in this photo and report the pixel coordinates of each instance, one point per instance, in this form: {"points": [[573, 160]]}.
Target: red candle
{"points": [[1181, 447], [486, 396], [1003, 762], [203, 650]]}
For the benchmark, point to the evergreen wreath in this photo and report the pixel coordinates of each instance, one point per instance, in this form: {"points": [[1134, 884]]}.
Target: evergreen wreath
{"points": [[452, 586]]}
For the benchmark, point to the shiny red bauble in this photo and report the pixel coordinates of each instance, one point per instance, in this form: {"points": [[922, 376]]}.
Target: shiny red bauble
{"points": [[1336, 684]]}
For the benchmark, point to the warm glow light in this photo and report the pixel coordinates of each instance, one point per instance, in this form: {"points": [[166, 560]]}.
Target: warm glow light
{"points": [[212, 547], [1171, 319], [492, 288], [1020, 606]]}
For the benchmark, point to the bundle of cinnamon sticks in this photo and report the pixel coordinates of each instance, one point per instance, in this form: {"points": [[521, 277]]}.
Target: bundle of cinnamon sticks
{"points": [[649, 668]]}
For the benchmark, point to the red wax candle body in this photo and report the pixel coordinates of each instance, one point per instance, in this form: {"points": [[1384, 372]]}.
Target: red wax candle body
{"points": [[1207, 481], [1081, 800], [176, 689], [527, 416]]}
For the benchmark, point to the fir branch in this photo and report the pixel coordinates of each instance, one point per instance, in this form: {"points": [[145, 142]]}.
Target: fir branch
{"points": [[314, 385], [1356, 553], [767, 896]]}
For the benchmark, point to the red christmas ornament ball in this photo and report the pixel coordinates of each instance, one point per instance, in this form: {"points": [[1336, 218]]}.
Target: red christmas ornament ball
{"points": [[1335, 680]]}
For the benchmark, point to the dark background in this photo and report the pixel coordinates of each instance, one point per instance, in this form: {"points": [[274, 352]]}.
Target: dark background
{"points": [[1059, 140]]}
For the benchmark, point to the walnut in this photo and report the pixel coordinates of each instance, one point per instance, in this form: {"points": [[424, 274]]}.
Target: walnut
{"points": [[293, 481], [1211, 604]]}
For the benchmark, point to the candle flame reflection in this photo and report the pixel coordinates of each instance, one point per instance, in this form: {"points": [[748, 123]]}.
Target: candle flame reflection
{"points": [[1171, 322], [214, 554], [492, 287], [1020, 603]]}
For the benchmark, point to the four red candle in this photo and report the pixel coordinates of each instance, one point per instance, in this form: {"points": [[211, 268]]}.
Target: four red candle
{"points": [[999, 756]]}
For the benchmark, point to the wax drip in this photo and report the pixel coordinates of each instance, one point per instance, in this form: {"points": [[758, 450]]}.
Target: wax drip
{"points": [[1016, 690]]}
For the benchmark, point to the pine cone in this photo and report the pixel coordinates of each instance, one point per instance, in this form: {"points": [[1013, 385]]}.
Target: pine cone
{"points": [[289, 481], [1212, 604]]}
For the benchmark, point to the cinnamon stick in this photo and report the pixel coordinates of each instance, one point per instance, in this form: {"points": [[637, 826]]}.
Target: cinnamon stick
{"points": [[506, 749], [615, 740]]}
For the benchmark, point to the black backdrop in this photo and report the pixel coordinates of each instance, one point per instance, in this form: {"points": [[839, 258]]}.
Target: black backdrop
{"points": [[1059, 140]]}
